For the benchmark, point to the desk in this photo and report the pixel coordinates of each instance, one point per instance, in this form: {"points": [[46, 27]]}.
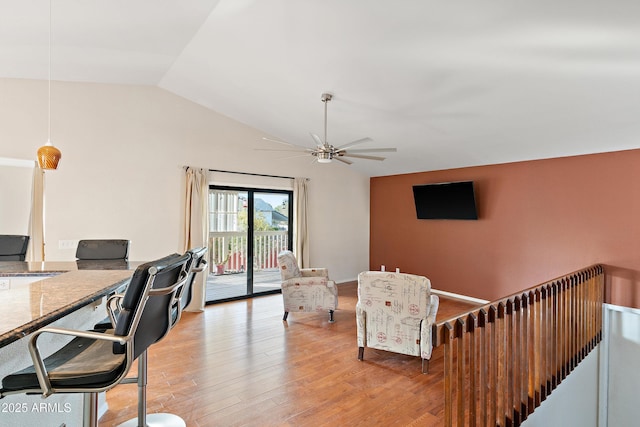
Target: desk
{"points": [[33, 295]]}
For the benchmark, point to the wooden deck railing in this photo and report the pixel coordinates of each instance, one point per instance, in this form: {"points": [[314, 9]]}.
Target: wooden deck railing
{"points": [[503, 359], [231, 246]]}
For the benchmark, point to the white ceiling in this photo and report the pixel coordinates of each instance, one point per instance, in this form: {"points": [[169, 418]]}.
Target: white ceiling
{"points": [[450, 84]]}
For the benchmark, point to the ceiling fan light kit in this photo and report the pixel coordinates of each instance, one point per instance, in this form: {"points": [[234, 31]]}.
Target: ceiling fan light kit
{"points": [[325, 152]]}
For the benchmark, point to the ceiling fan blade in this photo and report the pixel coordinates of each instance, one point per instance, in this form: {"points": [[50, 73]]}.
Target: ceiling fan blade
{"points": [[349, 162], [352, 143], [276, 140], [298, 150], [373, 150], [294, 156], [317, 139], [361, 156]]}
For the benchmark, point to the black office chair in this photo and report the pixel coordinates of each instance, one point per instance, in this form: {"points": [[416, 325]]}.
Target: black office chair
{"points": [[103, 254], [95, 361], [196, 265], [103, 249], [13, 247]]}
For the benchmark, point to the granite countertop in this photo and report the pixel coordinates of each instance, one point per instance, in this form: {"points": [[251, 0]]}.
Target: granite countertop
{"points": [[28, 307], [48, 268]]}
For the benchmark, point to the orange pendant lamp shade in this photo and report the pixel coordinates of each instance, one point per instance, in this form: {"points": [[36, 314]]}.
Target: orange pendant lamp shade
{"points": [[48, 156]]}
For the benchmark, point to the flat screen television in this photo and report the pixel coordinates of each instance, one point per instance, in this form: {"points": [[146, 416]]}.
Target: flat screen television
{"points": [[445, 200]]}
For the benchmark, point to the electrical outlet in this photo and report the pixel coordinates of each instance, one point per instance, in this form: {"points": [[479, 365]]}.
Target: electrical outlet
{"points": [[5, 284], [67, 244]]}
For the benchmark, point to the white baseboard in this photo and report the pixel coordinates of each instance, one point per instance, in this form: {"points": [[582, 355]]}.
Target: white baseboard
{"points": [[460, 297]]}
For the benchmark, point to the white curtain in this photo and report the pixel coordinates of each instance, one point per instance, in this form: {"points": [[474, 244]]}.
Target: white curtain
{"points": [[196, 230], [301, 226], [36, 220]]}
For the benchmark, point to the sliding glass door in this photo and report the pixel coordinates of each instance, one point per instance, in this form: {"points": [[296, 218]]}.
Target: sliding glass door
{"points": [[248, 228]]}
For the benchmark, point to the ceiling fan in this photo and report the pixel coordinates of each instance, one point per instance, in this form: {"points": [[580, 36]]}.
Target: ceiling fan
{"points": [[325, 152]]}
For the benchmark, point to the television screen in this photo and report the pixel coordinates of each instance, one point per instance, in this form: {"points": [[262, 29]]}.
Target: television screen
{"points": [[446, 200]]}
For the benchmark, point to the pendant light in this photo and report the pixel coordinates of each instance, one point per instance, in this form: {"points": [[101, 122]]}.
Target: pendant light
{"points": [[48, 155]]}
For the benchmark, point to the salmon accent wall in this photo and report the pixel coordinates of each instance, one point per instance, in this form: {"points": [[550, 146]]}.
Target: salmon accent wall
{"points": [[537, 220]]}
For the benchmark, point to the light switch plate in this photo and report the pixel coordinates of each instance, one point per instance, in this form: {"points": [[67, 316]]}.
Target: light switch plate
{"points": [[67, 244]]}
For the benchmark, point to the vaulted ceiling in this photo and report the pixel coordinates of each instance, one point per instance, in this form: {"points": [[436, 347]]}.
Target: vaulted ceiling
{"points": [[450, 84]]}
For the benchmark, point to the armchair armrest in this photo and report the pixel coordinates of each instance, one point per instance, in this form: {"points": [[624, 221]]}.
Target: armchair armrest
{"points": [[426, 344], [305, 281], [38, 361], [314, 272]]}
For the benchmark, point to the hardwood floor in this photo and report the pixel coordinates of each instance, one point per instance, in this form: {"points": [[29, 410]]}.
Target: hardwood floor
{"points": [[239, 364]]}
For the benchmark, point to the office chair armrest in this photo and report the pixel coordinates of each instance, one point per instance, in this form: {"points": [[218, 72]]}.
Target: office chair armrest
{"points": [[114, 306], [200, 269], [38, 361], [314, 272]]}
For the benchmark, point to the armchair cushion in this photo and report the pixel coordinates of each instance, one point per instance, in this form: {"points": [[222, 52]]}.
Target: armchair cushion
{"points": [[288, 265]]}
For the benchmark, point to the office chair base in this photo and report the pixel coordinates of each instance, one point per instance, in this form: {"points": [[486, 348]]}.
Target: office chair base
{"points": [[157, 420]]}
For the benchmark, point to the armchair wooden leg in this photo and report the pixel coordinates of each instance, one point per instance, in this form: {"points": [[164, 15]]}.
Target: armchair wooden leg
{"points": [[425, 369], [284, 318], [360, 353], [331, 316]]}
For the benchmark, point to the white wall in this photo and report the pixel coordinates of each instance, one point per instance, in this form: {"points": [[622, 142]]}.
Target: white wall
{"points": [[620, 370], [574, 403], [15, 196], [123, 148]]}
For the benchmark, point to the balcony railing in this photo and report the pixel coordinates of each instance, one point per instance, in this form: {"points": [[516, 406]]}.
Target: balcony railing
{"points": [[231, 247], [503, 359]]}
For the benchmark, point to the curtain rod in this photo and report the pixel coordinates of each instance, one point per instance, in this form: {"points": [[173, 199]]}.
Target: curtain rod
{"points": [[254, 174]]}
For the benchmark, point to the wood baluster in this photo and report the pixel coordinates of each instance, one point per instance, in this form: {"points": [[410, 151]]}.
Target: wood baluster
{"points": [[582, 320], [554, 327], [536, 348], [531, 371], [483, 366], [544, 327], [560, 329], [593, 301], [501, 373], [567, 321], [566, 330], [472, 326], [573, 321], [585, 316], [551, 339], [444, 336], [459, 338], [508, 362], [493, 366], [516, 357], [524, 371]]}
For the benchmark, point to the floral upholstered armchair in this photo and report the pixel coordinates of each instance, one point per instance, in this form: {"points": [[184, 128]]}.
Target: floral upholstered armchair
{"points": [[395, 312], [306, 289]]}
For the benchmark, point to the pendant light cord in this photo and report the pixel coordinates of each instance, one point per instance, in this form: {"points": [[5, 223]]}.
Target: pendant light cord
{"points": [[49, 88]]}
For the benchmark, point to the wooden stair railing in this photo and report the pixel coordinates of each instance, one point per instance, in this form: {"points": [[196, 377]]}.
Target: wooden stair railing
{"points": [[503, 359]]}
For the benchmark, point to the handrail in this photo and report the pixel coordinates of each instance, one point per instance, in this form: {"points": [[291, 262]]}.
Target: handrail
{"points": [[229, 248], [501, 360]]}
